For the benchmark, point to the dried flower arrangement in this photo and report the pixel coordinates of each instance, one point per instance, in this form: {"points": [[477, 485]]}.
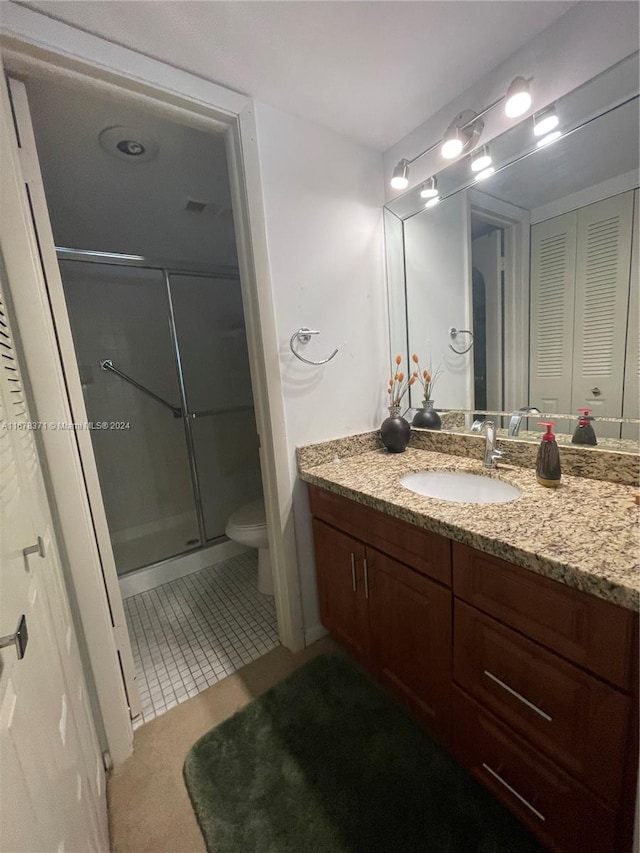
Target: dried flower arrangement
{"points": [[427, 378], [399, 384]]}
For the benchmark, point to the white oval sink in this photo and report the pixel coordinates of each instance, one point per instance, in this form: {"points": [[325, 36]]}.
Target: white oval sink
{"points": [[460, 486]]}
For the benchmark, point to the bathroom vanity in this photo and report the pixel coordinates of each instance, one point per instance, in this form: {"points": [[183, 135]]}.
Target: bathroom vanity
{"points": [[510, 630]]}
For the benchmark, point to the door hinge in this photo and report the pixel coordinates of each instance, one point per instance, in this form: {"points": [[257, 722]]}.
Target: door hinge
{"points": [[107, 761], [501, 263]]}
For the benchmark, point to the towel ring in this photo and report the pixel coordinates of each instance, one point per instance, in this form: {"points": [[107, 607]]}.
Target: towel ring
{"points": [[453, 334], [304, 336]]}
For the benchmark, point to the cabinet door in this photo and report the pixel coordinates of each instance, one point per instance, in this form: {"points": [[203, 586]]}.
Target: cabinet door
{"points": [[602, 298], [410, 618], [341, 588], [553, 259]]}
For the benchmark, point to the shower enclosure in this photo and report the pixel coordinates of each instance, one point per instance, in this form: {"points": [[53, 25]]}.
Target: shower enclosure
{"points": [[163, 362]]}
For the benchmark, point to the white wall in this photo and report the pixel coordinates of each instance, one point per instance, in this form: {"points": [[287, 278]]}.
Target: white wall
{"points": [[323, 199], [585, 41]]}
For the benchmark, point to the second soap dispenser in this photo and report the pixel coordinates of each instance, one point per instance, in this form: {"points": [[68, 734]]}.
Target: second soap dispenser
{"points": [[584, 432]]}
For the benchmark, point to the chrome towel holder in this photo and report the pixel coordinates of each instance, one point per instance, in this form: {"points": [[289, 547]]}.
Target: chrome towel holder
{"points": [[304, 336], [453, 334]]}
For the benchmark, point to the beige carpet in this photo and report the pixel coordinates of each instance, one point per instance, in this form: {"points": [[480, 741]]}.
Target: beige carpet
{"points": [[149, 809]]}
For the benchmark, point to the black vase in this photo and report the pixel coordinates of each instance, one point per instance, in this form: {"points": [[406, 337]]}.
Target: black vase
{"points": [[427, 417], [395, 431]]}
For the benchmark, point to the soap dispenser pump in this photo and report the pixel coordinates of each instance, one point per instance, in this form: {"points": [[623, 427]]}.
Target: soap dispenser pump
{"points": [[548, 462], [584, 432]]}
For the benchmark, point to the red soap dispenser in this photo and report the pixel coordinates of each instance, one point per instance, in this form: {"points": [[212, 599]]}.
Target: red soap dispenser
{"points": [[584, 433], [548, 463]]}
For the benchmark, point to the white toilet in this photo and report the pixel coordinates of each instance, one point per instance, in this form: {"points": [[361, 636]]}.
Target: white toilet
{"points": [[248, 526]]}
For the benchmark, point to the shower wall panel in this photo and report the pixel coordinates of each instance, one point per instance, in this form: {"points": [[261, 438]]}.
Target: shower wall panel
{"points": [[210, 328], [121, 313]]}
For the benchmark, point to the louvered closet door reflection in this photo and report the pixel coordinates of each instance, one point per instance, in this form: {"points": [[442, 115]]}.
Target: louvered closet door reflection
{"points": [[553, 257], [631, 392], [602, 299]]}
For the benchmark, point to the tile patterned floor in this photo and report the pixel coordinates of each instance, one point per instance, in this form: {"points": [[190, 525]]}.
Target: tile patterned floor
{"points": [[192, 632]]}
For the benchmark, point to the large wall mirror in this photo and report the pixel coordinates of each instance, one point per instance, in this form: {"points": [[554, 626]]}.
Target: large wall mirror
{"points": [[535, 267]]}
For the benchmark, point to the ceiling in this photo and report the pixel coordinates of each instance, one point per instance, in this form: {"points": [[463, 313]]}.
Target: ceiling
{"points": [[371, 71], [99, 201]]}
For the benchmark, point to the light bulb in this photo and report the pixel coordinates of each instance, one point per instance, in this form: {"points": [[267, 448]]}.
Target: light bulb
{"points": [[433, 201], [429, 189], [482, 160], [400, 177], [518, 98], [548, 139], [485, 173], [452, 148], [545, 122]]}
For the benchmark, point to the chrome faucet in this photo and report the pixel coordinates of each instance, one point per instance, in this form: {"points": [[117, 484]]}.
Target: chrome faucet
{"points": [[516, 418], [491, 455]]}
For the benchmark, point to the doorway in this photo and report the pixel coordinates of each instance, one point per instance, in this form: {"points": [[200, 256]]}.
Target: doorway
{"points": [[141, 213]]}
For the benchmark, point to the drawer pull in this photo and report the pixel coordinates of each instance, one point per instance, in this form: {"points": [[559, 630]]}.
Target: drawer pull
{"points": [[353, 572], [366, 579], [518, 696], [514, 792]]}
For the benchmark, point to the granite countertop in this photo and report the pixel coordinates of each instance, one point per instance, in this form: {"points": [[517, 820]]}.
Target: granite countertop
{"points": [[584, 534]]}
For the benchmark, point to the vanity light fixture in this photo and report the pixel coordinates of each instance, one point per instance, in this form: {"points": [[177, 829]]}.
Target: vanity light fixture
{"points": [[549, 138], [429, 188], [400, 179], [433, 201], [485, 173], [481, 160], [518, 97], [465, 130], [546, 121]]}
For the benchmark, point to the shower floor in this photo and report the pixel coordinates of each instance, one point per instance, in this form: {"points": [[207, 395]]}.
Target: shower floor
{"points": [[194, 631]]}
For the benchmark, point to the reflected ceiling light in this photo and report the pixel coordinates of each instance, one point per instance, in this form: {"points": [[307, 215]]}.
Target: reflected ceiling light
{"points": [[518, 97], [433, 201], [462, 134], [545, 121], [481, 160], [429, 188], [549, 138], [400, 178], [485, 173]]}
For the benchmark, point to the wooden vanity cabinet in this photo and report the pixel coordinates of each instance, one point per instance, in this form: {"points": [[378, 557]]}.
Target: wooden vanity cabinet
{"points": [[393, 617], [545, 701], [530, 683]]}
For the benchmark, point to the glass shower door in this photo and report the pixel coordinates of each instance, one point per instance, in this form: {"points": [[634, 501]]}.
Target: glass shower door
{"points": [[212, 341], [121, 314]]}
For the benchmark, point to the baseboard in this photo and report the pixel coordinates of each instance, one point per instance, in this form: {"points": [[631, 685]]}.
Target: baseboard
{"points": [[316, 632], [186, 564]]}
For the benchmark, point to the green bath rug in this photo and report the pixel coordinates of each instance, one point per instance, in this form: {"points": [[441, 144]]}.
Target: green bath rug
{"points": [[326, 762]]}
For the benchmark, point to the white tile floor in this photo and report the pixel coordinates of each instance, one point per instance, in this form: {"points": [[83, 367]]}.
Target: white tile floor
{"points": [[192, 632]]}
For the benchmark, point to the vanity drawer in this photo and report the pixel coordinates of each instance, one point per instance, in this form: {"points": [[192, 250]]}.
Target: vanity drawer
{"points": [[577, 720], [557, 809], [425, 552], [593, 633]]}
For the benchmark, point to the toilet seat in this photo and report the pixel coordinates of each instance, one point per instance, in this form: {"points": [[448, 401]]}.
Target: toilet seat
{"points": [[248, 526]]}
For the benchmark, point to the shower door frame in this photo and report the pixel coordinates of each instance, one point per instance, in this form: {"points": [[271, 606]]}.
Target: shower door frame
{"points": [[167, 269], [36, 45]]}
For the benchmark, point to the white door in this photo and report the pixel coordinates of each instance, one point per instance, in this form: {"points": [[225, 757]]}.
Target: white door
{"points": [[553, 264], [487, 259], [32, 177], [601, 304], [631, 395], [51, 775]]}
